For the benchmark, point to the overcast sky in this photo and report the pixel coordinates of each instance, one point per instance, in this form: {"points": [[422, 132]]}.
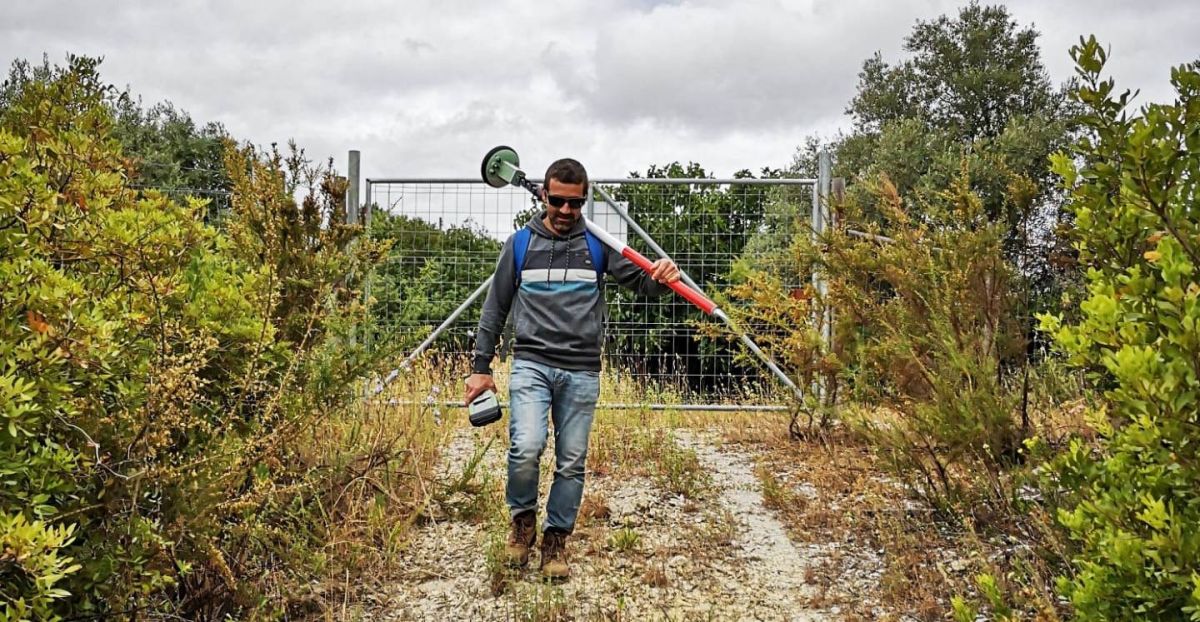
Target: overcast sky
{"points": [[425, 88]]}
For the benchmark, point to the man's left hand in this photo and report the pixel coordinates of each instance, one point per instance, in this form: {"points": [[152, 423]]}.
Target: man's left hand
{"points": [[665, 271]]}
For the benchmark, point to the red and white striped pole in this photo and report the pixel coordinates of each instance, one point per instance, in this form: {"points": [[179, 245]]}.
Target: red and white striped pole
{"points": [[704, 303], [694, 296]]}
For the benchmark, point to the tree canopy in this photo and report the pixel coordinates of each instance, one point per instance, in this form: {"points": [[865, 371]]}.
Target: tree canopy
{"points": [[971, 98]]}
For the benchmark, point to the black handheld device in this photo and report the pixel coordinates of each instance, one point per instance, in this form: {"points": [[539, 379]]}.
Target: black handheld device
{"points": [[484, 409]]}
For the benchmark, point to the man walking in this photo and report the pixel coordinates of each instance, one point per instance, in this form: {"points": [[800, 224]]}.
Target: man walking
{"points": [[550, 275]]}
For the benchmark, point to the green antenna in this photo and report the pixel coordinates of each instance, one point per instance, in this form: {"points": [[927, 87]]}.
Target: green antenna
{"points": [[500, 168]]}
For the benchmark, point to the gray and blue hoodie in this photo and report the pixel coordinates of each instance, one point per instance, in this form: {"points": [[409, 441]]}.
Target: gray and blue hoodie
{"points": [[558, 306]]}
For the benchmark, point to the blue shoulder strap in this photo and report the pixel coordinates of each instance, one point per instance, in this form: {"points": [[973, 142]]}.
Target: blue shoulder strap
{"points": [[599, 259], [522, 239]]}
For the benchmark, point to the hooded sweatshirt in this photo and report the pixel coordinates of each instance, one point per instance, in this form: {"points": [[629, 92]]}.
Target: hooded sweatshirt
{"points": [[558, 306]]}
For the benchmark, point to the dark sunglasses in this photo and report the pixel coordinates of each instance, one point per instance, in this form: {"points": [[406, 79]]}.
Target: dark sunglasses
{"points": [[574, 202]]}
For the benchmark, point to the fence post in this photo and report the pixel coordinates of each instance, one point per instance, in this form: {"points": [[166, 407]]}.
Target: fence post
{"points": [[366, 204], [821, 207], [352, 180], [352, 188], [365, 214], [591, 203], [820, 219]]}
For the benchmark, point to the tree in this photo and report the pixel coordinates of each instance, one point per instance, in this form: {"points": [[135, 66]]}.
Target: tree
{"points": [[970, 113], [172, 153], [157, 374], [968, 76], [973, 94], [306, 242]]}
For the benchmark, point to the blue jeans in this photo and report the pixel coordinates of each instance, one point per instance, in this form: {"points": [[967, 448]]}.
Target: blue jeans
{"points": [[570, 396]]}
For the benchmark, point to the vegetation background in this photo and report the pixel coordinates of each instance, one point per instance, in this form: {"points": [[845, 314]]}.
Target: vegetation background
{"points": [[182, 432]]}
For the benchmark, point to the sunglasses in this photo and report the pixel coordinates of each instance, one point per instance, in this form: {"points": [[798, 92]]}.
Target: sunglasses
{"points": [[575, 203]]}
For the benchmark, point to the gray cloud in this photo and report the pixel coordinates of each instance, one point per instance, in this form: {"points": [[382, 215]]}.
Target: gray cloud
{"points": [[426, 87], [765, 66]]}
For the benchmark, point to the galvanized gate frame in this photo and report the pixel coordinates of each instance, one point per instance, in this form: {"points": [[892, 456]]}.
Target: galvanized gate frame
{"points": [[821, 217]]}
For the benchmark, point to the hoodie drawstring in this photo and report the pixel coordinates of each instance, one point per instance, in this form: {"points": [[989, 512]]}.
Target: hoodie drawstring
{"points": [[570, 258], [564, 280]]}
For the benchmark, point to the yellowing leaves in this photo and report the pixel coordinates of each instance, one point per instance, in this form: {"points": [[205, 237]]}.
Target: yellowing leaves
{"points": [[37, 322]]}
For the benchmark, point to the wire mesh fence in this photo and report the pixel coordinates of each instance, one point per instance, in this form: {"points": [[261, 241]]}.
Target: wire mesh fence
{"points": [[447, 233]]}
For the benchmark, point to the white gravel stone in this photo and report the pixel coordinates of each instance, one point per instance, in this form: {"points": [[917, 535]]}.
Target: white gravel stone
{"points": [[760, 576]]}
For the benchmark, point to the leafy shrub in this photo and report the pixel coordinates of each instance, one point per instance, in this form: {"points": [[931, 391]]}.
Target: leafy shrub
{"points": [[157, 373], [924, 328], [1132, 186], [32, 563]]}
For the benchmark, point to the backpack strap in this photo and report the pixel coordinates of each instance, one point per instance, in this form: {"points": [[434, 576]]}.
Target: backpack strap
{"points": [[521, 240], [599, 259]]}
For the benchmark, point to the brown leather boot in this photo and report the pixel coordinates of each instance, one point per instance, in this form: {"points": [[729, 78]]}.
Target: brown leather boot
{"points": [[554, 555], [521, 539]]}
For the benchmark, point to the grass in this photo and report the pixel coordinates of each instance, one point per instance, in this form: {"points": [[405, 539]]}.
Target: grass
{"points": [[473, 496], [539, 602], [679, 471], [408, 424], [639, 442], [829, 490], [624, 540], [832, 490], [384, 456], [389, 447]]}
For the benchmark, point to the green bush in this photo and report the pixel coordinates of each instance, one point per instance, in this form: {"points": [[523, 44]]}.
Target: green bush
{"points": [[155, 373], [1132, 184], [925, 330], [32, 563], [927, 326]]}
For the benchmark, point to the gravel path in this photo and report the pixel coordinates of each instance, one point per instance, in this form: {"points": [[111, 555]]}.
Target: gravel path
{"points": [[639, 552], [771, 556]]}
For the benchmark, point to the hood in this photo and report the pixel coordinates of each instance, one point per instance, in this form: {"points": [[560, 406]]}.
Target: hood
{"points": [[538, 226]]}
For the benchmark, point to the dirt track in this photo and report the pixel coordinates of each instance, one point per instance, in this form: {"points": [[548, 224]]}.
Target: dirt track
{"points": [[639, 551]]}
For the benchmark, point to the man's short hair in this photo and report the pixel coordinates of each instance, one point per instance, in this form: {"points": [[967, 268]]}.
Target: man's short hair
{"points": [[567, 171]]}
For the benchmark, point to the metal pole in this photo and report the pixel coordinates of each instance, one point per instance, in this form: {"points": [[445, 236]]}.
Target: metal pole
{"points": [[820, 203], [591, 204], [483, 287], [370, 276], [366, 208], [820, 217], [762, 356], [352, 188]]}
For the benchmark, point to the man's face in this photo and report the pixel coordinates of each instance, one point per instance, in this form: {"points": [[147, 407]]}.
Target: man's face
{"points": [[562, 219]]}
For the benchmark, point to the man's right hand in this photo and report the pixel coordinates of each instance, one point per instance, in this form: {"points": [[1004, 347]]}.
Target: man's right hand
{"points": [[476, 384]]}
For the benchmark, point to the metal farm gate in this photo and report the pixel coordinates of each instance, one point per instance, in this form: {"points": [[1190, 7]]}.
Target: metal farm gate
{"points": [[447, 235]]}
